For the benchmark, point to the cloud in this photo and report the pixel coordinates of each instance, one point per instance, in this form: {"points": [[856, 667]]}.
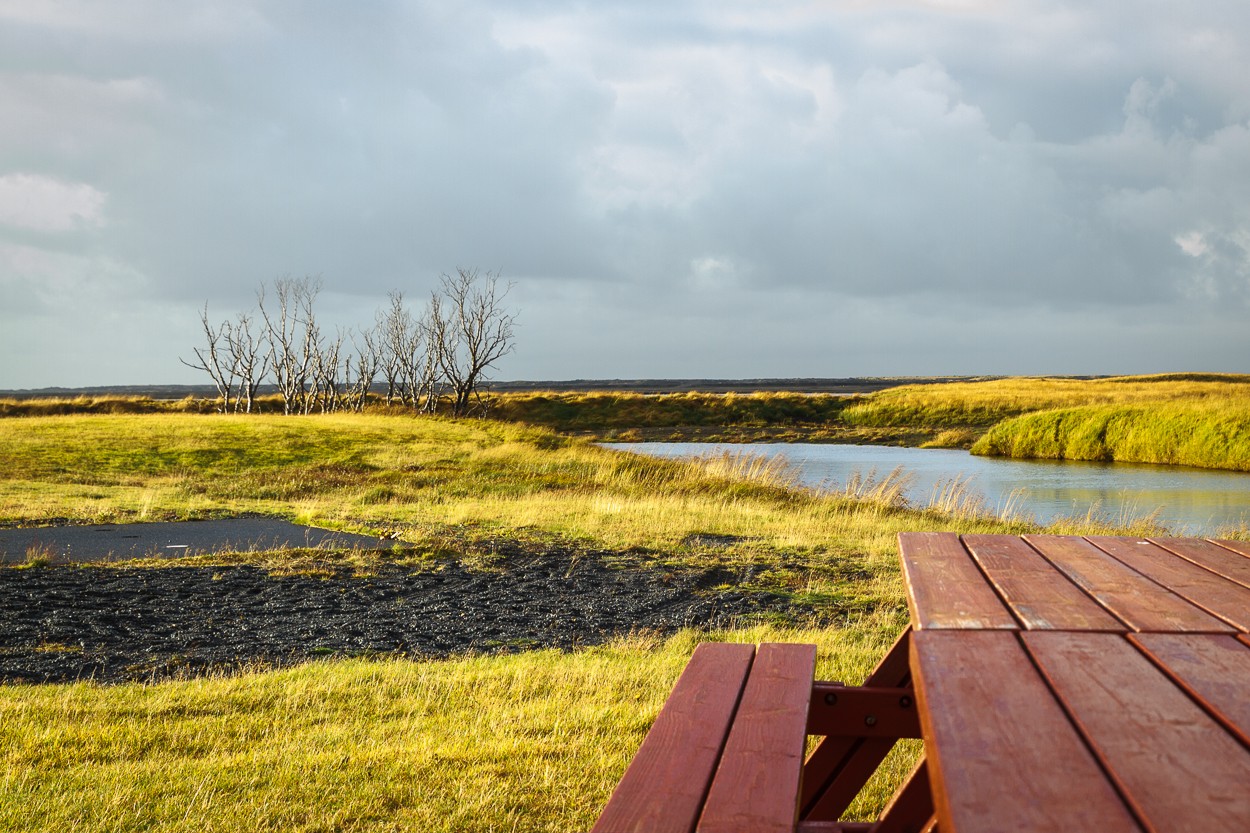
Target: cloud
{"points": [[40, 203], [637, 165]]}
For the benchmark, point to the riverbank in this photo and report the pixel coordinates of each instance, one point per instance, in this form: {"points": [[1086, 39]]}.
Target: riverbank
{"points": [[937, 412], [1207, 433]]}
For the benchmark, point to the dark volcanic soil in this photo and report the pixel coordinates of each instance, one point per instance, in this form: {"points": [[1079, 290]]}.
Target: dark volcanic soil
{"points": [[116, 624]]}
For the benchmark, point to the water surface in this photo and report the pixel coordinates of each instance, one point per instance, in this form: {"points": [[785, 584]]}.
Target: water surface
{"points": [[1188, 501]]}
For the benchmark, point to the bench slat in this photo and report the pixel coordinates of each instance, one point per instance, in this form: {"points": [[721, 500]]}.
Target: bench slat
{"points": [[1182, 771], [757, 783], [995, 738], [1212, 592], [1041, 597], [1213, 668], [1142, 603], [663, 789], [945, 588]]}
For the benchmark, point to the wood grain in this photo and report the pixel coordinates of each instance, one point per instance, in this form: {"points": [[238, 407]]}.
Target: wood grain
{"points": [[1132, 597], [1040, 596], [1179, 769], [1210, 591], [664, 787], [1240, 547], [1002, 754], [1228, 558], [1213, 668], [756, 787], [945, 588]]}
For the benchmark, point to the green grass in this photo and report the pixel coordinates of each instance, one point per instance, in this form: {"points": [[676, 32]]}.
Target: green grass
{"points": [[950, 415], [1208, 433], [530, 742]]}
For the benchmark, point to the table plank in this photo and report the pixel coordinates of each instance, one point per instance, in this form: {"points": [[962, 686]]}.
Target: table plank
{"points": [[1212, 592], [756, 787], [1242, 547], [1226, 558], [664, 787], [1175, 764], [1142, 603], [1040, 596], [1003, 754], [945, 587], [1213, 668]]}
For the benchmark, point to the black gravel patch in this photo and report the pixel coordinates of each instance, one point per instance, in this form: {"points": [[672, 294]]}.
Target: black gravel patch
{"points": [[115, 624]]}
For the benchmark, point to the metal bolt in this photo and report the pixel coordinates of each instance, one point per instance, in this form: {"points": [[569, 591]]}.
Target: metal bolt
{"points": [[905, 701], [830, 699], [870, 720]]}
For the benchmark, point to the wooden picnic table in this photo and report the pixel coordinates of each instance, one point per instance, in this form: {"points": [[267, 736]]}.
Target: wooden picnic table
{"points": [[1069, 683], [1059, 684]]}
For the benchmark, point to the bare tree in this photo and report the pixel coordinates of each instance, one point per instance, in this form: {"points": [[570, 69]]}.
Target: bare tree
{"points": [[470, 329], [293, 338], [248, 361], [427, 371], [360, 370], [216, 358], [407, 355], [326, 382], [396, 342], [462, 332]]}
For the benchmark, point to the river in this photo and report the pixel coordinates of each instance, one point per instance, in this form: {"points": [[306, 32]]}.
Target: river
{"points": [[1187, 501]]}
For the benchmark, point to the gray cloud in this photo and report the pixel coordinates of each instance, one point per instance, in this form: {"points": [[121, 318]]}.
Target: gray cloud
{"points": [[716, 189]]}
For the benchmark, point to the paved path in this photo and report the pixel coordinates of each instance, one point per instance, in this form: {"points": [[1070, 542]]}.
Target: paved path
{"points": [[171, 540]]}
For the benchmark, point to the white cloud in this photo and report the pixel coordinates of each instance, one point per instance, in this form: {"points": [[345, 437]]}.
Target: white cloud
{"points": [[1192, 244], [41, 203]]}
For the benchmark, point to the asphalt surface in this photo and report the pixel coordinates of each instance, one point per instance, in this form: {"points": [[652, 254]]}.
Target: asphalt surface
{"points": [[104, 542]]}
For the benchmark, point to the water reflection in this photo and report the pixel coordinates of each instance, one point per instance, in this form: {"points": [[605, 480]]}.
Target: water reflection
{"points": [[1187, 501]]}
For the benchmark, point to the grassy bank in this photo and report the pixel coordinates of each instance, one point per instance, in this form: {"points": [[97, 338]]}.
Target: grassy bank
{"points": [[951, 415], [435, 482], [531, 742], [1212, 433], [694, 417]]}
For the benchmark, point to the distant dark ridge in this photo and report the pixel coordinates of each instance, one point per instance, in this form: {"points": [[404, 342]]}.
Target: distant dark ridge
{"points": [[865, 384]]}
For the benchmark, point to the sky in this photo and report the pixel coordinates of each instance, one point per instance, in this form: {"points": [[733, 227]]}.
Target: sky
{"points": [[717, 189]]}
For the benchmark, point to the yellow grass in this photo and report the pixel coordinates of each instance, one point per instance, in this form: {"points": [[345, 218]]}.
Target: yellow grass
{"points": [[529, 742]]}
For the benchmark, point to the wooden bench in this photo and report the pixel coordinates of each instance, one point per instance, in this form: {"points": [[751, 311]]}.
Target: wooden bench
{"points": [[726, 752]]}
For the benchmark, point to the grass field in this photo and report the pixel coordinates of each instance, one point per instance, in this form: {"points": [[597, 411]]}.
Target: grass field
{"points": [[950, 415], [1185, 419], [529, 742]]}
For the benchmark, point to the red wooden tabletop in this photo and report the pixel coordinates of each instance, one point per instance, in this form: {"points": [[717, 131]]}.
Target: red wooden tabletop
{"points": [[1069, 683]]}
